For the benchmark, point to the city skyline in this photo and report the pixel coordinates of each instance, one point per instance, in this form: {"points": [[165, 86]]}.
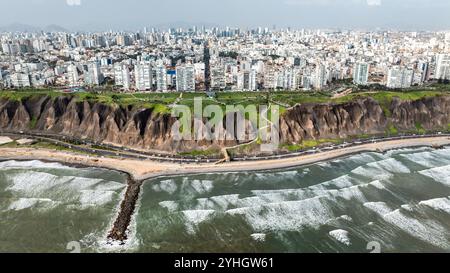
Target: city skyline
{"points": [[99, 15]]}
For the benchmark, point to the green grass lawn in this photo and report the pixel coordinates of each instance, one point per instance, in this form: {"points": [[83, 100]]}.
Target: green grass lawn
{"points": [[161, 101]]}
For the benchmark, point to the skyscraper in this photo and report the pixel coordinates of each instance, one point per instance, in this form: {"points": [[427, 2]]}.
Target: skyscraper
{"points": [[72, 75], [400, 77], [218, 79], [20, 80], [185, 78], [361, 73], [320, 77], [246, 80], [93, 75], [143, 76], [161, 77], [443, 67], [207, 60], [122, 76]]}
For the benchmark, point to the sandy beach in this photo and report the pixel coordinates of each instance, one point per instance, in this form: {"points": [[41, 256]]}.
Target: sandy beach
{"points": [[146, 169]]}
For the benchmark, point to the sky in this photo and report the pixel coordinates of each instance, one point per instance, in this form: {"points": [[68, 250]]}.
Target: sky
{"points": [[137, 14]]}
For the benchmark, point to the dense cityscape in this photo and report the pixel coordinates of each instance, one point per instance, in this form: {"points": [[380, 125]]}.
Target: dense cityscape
{"points": [[224, 135], [223, 59]]}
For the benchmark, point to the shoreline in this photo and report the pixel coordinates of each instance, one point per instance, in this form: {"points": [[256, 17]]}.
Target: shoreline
{"points": [[141, 170], [138, 172]]}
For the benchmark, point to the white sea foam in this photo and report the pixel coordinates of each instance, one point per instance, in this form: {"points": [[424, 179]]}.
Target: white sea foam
{"points": [[284, 214], [377, 184], [35, 183], [324, 164], [402, 151], [441, 204], [290, 215], [380, 208], [322, 189], [407, 207], [425, 230], [96, 198], [194, 217], [33, 164], [259, 237], [202, 186], [222, 202], [64, 189], [351, 193], [172, 206], [362, 158], [26, 203], [427, 159], [169, 186], [346, 218], [439, 174], [341, 236], [383, 169]]}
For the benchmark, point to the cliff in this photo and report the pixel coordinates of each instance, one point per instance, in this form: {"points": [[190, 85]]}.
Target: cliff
{"points": [[147, 129], [364, 117]]}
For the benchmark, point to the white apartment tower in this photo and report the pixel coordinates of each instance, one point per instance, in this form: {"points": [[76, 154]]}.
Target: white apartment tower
{"points": [[246, 81], [320, 77], [361, 74], [93, 76], [122, 76], [185, 78], [443, 67], [72, 75], [161, 77], [143, 76], [400, 77]]}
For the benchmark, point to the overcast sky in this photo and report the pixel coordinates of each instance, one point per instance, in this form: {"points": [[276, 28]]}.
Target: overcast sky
{"points": [[136, 14]]}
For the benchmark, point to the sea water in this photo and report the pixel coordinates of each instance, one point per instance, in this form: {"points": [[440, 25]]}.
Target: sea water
{"points": [[48, 207], [393, 202], [398, 201]]}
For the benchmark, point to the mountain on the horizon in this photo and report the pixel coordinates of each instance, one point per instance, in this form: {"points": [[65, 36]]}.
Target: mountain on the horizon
{"points": [[19, 27]]}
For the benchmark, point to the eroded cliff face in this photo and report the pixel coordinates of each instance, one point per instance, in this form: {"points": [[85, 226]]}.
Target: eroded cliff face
{"points": [[364, 117], [146, 129]]}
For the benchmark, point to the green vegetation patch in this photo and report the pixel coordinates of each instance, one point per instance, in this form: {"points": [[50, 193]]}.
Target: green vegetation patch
{"points": [[201, 153], [391, 130], [420, 129], [308, 144]]}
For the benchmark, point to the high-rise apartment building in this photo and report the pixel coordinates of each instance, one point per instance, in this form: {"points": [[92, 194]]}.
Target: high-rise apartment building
{"points": [[143, 76], [161, 77], [443, 67], [72, 75], [361, 74], [20, 80], [122, 76], [185, 78], [93, 75], [218, 79], [320, 77], [400, 77]]}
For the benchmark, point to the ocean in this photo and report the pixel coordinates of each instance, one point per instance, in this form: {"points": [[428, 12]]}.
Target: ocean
{"points": [[393, 202]]}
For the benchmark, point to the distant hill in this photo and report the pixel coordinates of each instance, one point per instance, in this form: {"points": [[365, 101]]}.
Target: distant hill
{"points": [[18, 27]]}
